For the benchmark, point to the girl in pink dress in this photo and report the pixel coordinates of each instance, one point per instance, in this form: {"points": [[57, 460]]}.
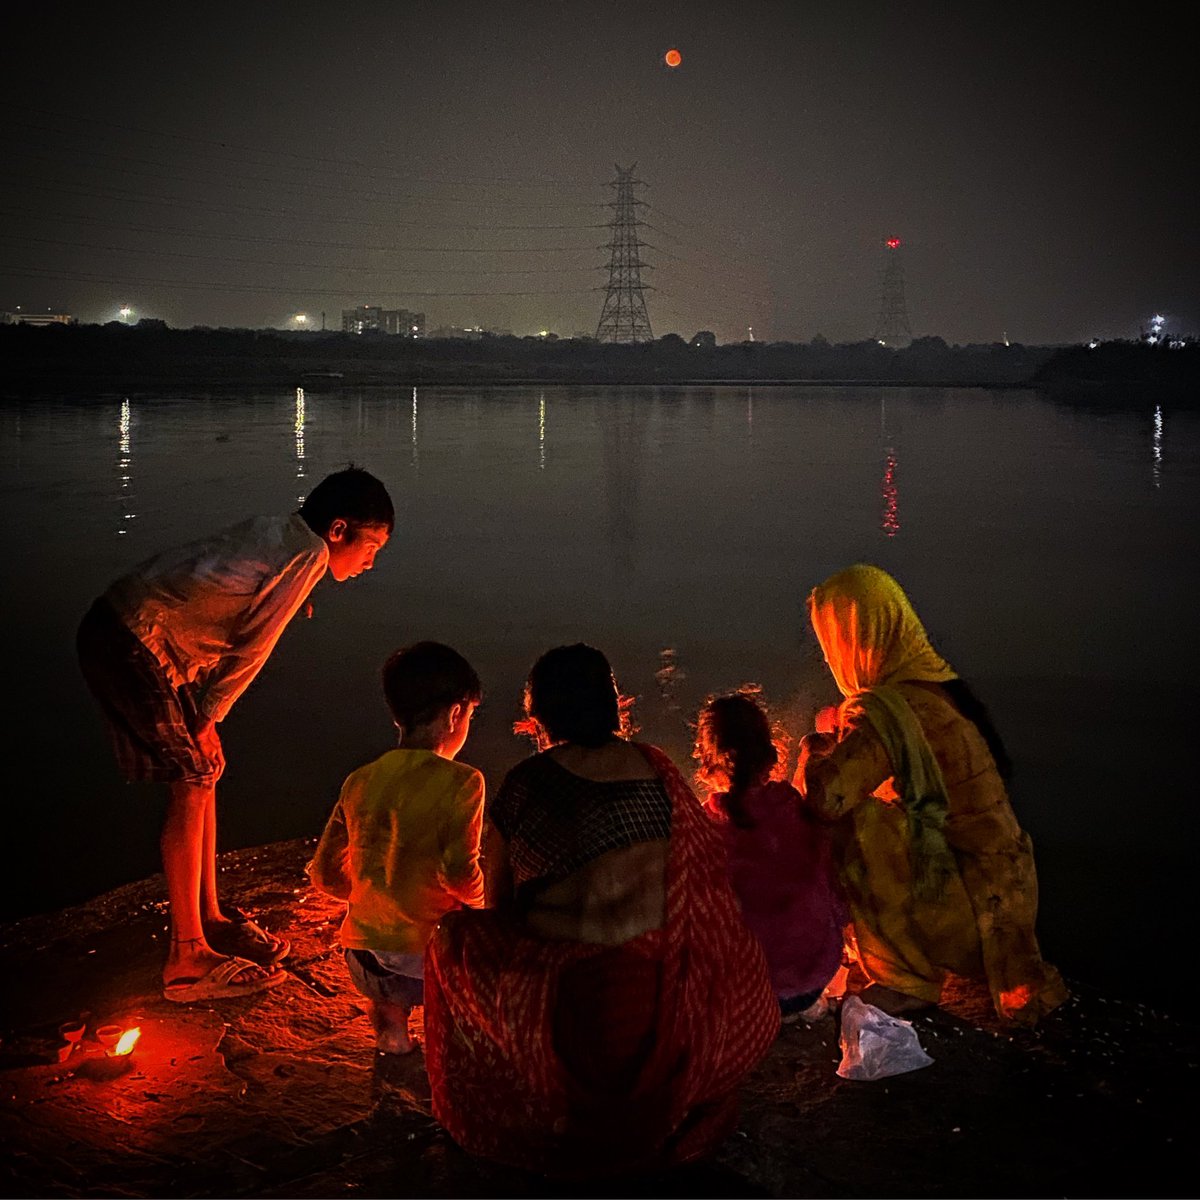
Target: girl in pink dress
{"points": [[779, 855]]}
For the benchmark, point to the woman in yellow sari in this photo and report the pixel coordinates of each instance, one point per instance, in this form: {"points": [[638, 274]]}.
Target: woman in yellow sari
{"points": [[938, 875]]}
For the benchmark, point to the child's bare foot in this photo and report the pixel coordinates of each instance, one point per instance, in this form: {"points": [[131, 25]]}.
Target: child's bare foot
{"points": [[816, 1011], [393, 1041], [391, 1028]]}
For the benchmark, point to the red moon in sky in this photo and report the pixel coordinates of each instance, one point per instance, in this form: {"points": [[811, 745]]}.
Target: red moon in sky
{"points": [[672, 58]]}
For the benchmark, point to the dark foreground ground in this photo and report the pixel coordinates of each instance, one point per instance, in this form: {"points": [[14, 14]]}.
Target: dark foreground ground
{"points": [[282, 1095]]}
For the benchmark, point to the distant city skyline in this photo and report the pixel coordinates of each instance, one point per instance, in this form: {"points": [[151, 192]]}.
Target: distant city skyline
{"points": [[239, 165]]}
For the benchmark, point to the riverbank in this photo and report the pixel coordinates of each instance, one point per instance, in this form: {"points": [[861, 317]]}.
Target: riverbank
{"points": [[89, 358], [102, 359], [282, 1095]]}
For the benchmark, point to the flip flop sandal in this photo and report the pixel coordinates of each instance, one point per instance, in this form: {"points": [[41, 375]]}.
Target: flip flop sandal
{"points": [[245, 938], [221, 982]]}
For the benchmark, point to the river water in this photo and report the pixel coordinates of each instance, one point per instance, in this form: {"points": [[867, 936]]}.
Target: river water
{"points": [[1051, 552]]}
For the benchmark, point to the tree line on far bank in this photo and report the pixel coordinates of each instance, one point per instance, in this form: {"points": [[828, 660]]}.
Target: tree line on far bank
{"points": [[99, 357]]}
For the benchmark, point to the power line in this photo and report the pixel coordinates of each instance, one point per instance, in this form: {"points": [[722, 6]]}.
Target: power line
{"points": [[48, 273], [73, 119], [255, 182], [266, 262], [237, 208], [708, 231], [121, 195]]}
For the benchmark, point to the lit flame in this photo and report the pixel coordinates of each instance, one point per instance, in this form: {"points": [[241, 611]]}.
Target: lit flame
{"points": [[127, 1041]]}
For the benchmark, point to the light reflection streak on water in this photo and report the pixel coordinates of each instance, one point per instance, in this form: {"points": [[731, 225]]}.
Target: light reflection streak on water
{"points": [[125, 463], [890, 523], [1156, 444], [542, 431], [300, 437], [414, 428]]}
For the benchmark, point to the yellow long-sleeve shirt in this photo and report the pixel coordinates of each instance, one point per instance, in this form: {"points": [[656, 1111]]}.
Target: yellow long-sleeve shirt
{"points": [[402, 848]]}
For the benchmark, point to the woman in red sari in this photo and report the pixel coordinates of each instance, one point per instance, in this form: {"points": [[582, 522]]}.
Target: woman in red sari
{"points": [[599, 1019]]}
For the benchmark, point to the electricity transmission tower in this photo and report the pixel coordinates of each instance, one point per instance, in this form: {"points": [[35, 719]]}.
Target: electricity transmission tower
{"points": [[892, 328], [623, 317]]}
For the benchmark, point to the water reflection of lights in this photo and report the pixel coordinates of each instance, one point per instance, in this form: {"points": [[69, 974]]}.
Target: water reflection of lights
{"points": [[1156, 446], [542, 431], [890, 524], [300, 414], [125, 463], [414, 428]]}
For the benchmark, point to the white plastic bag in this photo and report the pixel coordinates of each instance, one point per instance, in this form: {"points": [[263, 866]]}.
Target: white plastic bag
{"points": [[875, 1045]]}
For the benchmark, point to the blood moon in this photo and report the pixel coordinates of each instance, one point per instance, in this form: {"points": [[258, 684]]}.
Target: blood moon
{"points": [[672, 58]]}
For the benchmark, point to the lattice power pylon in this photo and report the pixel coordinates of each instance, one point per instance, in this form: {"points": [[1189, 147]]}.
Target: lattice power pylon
{"points": [[892, 328], [623, 317]]}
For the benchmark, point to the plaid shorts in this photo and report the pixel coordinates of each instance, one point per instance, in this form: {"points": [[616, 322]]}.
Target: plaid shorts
{"points": [[151, 723]]}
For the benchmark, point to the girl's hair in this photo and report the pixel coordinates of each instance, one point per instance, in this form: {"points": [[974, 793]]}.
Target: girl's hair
{"points": [[736, 750], [572, 695], [971, 707]]}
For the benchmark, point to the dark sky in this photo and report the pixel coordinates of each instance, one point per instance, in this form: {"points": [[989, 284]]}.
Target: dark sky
{"points": [[236, 163]]}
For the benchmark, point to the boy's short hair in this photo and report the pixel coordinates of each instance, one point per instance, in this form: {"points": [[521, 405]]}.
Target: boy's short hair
{"points": [[354, 495], [425, 679]]}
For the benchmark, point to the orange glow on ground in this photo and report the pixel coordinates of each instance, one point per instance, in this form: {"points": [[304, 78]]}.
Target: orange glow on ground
{"points": [[672, 58]]}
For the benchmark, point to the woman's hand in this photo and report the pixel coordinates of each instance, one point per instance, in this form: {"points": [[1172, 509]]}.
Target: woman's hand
{"points": [[817, 745], [826, 720], [813, 746]]}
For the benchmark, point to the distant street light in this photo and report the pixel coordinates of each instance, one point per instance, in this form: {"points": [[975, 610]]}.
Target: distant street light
{"points": [[300, 320], [125, 313]]}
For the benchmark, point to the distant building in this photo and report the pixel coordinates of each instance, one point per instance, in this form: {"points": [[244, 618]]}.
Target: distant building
{"points": [[31, 318], [368, 318], [467, 333]]}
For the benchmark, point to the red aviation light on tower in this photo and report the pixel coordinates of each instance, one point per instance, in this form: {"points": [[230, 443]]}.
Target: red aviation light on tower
{"points": [[893, 243]]}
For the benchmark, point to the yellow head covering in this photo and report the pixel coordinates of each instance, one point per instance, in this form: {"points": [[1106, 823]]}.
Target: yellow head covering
{"points": [[873, 640], [870, 634]]}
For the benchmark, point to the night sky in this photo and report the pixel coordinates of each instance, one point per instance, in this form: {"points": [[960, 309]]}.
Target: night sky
{"points": [[237, 163]]}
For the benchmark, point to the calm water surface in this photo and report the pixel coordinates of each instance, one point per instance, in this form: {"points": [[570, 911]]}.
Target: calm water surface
{"points": [[1051, 552]]}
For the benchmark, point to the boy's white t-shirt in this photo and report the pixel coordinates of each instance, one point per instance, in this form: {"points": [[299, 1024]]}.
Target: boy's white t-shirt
{"points": [[210, 612]]}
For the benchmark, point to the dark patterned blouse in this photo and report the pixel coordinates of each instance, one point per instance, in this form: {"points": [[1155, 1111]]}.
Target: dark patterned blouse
{"points": [[556, 822]]}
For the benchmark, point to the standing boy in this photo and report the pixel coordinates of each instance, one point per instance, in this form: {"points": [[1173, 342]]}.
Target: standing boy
{"points": [[402, 845], [168, 649]]}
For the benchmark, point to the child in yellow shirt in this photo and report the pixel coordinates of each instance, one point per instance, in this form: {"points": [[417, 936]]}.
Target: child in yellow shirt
{"points": [[402, 844]]}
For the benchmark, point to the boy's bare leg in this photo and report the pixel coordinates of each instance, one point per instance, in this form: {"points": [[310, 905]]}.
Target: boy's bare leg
{"points": [[183, 838], [210, 906], [188, 839]]}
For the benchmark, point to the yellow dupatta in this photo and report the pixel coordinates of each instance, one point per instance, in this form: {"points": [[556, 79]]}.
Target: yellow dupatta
{"points": [[873, 640]]}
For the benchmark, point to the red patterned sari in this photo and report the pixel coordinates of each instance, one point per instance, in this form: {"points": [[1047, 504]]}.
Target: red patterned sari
{"points": [[574, 1059]]}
